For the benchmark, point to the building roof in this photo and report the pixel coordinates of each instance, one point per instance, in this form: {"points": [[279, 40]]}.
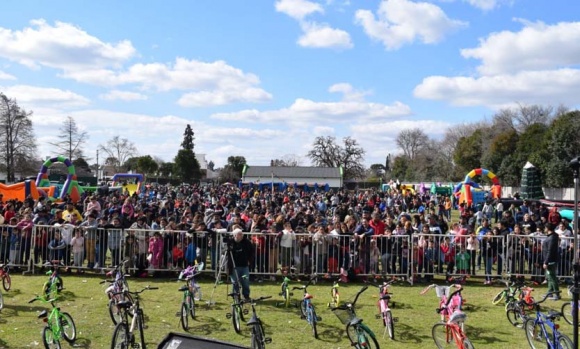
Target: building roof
{"points": [[293, 172]]}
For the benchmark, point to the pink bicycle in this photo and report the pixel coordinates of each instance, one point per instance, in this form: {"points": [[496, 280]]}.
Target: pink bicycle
{"points": [[384, 309]]}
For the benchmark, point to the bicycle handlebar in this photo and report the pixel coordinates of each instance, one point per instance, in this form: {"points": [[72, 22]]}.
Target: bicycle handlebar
{"points": [[255, 300], [546, 297], [364, 288], [304, 287], [452, 295], [137, 292]]}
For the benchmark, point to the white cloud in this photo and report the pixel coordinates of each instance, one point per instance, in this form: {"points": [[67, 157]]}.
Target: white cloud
{"points": [[352, 107], [298, 9], [213, 83], [399, 22], [61, 46], [323, 130], [537, 46], [44, 96], [349, 93], [123, 96], [531, 87], [323, 36], [488, 5], [6, 76]]}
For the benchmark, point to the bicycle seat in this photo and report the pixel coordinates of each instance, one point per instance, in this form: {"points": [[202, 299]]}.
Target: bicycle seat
{"points": [[308, 296], [42, 314], [553, 315], [386, 296], [124, 304], [183, 288], [253, 321]]}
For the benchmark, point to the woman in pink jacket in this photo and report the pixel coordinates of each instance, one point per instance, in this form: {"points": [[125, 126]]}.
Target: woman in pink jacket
{"points": [[156, 250]]}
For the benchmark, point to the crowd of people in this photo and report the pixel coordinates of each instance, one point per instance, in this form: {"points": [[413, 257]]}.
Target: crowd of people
{"points": [[339, 231]]}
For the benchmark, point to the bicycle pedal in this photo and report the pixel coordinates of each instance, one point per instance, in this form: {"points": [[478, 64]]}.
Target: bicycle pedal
{"points": [[267, 340], [280, 294], [291, 293], [245, 311], [378, 316], [136, 345], [395, 319], [302, 317], [228, 315], [178, 314], [318, 318]]}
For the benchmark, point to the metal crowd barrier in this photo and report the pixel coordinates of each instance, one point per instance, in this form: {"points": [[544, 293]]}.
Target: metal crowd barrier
{"points": [[421, 256]]}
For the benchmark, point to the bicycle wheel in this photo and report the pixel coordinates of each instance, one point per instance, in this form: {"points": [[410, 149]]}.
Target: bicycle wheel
{"points": [[467, 344], [286, 297], [1, 301], [389, 323], [313, 321], [59, 284], [192, 307], [184, 317], [140, 325], [565, 342], [120, 337], [236, 318], [69, 330], [196, 292], [6, 282], [115, 312], [498, 298], [567, 312], [443, 336], [515, 317], [258, 337], [50, 342], [534, 334]]}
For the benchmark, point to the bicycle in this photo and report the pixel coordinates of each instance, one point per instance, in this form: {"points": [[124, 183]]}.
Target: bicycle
{"points": [[191, 292], [115, 292], [517, 309], [54, 284], [542, 332], [59, 324], [258, 339], [307, 309], [384, 310], [451, 301], [451, 329], [237, 315], [508, 294], [124, 335], [567, 309], [334, 294], [5, 275], [359, 334], [285, 293]]}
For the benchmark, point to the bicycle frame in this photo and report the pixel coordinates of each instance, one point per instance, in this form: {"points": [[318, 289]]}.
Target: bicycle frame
{"points": [[53, 323], [334, 294], [542, 320], [454, 333]]}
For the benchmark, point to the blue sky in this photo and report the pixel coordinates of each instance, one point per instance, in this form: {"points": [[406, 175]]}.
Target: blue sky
{"points": [[261, 79]]}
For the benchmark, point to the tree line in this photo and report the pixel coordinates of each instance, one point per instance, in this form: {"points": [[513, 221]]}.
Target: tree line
{"points": [[546, 136]]}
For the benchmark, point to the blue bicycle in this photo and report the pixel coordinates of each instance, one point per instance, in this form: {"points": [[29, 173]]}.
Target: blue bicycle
{"points": [[542, 332], [307, 308]]}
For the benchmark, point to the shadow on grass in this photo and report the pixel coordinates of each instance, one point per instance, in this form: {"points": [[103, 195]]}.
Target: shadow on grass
{"points": [[406, 333], [11, 310], [82, 343], [203, 325], [478, 334], [329, 333]]}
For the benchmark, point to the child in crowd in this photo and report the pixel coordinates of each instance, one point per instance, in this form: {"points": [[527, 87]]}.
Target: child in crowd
{"points": [[178, 255], [78, 249], [190, 252], [462, 260]]}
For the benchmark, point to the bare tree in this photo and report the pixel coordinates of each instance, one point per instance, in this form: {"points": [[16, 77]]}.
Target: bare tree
{"points": [[118, 150], [288, 160], [327, 153], [17, 141], [411, 141], [70, 140]]}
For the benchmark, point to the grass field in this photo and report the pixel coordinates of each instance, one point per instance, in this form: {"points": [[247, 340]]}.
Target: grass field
{"points": [[85, 300]]}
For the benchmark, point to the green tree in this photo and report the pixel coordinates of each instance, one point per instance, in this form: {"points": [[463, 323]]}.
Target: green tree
{"points": [[166, 169], [468, 152], [186, 166], [81, 163], [147, 165], [233, 169], [400, 168], [17, 141]]}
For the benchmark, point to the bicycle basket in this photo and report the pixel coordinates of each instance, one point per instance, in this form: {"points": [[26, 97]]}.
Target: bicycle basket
{"points": [[442, 291], [344, 314], [458, 317]]}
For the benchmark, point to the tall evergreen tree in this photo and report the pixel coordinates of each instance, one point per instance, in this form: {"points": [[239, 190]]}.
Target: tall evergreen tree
{"points": [[186, 165]]}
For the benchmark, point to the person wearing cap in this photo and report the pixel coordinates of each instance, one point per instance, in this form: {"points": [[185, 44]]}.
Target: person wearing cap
{"points": [[550, 257], [241, 256]]}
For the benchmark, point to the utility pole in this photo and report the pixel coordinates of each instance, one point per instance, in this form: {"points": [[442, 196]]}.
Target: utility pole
{"points": [[97, 165]]}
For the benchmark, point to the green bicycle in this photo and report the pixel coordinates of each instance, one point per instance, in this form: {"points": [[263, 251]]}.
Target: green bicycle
{"points": [[54, 284], [285, 293], [58, 325], [359, 334]]}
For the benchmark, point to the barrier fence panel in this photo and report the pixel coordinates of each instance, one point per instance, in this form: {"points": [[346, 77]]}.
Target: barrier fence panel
{"points": [[421, 256]]}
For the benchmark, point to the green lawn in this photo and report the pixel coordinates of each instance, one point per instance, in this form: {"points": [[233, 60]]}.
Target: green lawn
{"points": [[86, 301]]}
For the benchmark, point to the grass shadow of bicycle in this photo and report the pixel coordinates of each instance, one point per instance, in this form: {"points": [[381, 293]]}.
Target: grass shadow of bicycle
{"points": [[329, 333], [82, 343], [11, 310], [406, 333], [478, 334], [204, 325]]}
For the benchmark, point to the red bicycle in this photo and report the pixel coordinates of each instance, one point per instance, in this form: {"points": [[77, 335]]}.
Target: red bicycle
{"points": [[5, 275]]}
